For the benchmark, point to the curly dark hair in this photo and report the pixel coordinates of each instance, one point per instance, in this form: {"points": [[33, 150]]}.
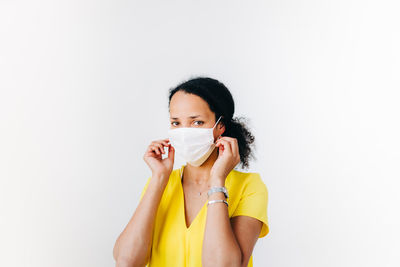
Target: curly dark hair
{"points": [[220, 101]]}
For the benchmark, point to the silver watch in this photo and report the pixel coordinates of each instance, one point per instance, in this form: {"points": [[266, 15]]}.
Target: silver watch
{"points": [[218, 189]]}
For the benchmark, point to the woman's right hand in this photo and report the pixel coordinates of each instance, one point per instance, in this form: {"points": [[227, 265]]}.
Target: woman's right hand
{"points": [[153, 158]]}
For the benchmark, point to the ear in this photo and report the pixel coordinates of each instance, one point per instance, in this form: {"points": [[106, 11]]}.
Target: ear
{"points": [[221, 128]]}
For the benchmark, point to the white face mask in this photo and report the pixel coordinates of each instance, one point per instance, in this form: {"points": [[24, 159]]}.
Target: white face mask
{"points": [[194, 145]]}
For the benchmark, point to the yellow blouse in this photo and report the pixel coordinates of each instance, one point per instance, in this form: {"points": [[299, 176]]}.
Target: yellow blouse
{"points": [[176, 245]]}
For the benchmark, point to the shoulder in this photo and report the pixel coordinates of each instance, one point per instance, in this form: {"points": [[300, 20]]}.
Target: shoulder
{"points": [[247, 181], [251, 197]]}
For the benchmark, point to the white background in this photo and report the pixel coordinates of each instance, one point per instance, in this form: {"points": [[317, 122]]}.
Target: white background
{"points": [[83, 91]]}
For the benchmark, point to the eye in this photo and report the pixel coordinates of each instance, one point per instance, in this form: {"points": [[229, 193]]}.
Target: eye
{"points": [[172, 123], [201, 122]]}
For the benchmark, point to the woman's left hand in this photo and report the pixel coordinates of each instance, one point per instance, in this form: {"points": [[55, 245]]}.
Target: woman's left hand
{"points": [[228, 158]]}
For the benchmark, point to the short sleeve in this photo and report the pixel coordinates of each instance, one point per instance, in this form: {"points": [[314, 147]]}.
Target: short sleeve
{"points": [[254, 202], [144, 188]]}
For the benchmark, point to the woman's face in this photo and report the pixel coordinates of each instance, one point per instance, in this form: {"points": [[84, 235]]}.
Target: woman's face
{"points": [[189, 110]]}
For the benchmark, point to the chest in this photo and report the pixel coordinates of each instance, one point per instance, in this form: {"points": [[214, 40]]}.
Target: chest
{"points": [[194, 200]]}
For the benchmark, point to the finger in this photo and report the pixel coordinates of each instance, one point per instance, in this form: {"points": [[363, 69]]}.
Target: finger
{"points": [[150, 153], [225, 144], [155, 149], [150, 149], [228, 138], [164, 141], [235, 148], [160, 143], [230, 142], [161, 147], [234, 145]]}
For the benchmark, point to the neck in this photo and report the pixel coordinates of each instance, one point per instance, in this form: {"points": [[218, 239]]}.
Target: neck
{"points": [[200, 175]]}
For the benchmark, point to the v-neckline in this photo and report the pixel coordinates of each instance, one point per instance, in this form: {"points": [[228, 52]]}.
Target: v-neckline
{"points": [[183, 204]]}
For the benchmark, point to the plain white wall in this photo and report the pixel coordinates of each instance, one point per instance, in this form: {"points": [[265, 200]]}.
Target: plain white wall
{"points": [[83, 91]]}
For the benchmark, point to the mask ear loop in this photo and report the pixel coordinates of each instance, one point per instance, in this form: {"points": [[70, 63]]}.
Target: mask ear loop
{"points": [[215, 125], [217, 121]]}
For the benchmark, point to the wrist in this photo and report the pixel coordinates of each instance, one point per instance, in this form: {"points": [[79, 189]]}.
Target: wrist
{"points": [[159, 175], [216, 182], [159, 179]]}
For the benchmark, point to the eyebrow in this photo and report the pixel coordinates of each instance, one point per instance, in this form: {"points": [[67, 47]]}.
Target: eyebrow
{"points": [[191, 117]]}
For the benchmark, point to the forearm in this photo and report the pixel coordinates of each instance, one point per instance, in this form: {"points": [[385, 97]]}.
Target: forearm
{"points": [[134, 243], [220, 247]]}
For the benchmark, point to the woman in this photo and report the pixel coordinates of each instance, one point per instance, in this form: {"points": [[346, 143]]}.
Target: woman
{"points": [[204, 213]]}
